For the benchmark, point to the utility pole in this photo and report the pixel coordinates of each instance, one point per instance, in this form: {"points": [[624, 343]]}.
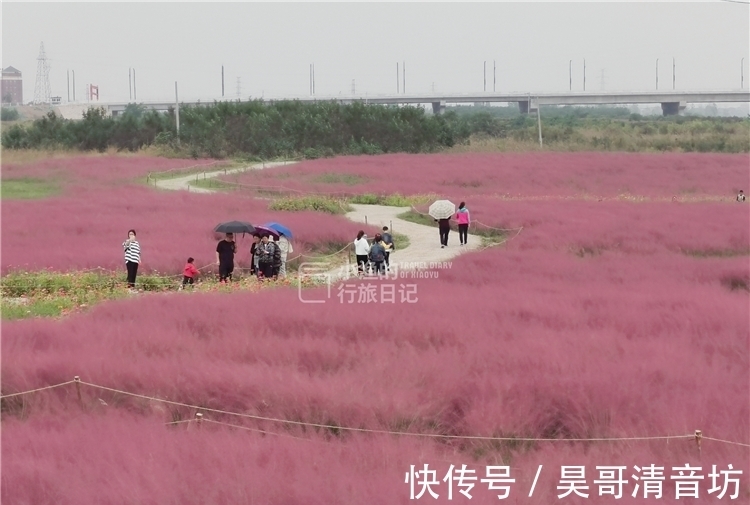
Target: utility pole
{"points": [[239, 90], [398, 87], [494, 75], [742, 74], [539, 120], [673, 74], [485, 76], [177, 111], [130, 83], [135, 95], [657, 74], [570, 74], [68, 85], [74, 85], [222, 81], [313, 79], [353, 88], [584, 74], [403, 71]]}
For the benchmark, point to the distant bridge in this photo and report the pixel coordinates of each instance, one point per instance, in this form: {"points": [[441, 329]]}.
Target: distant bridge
{"points": [[672, 102]]}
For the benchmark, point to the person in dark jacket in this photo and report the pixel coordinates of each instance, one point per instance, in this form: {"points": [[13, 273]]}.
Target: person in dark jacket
{"points": [[225, 251], [444, 226], [377, 255], [268, 256], [254, 255], [389, 246]]}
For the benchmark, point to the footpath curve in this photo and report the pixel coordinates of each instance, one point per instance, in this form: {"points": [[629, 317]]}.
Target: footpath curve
{"points": [[423, 252]]}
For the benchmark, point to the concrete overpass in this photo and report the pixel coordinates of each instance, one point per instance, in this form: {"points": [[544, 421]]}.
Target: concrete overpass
{"points": [[671, 101]]}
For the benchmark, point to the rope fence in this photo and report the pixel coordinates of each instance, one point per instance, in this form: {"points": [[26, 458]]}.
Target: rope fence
{"points": [[200, 417]]}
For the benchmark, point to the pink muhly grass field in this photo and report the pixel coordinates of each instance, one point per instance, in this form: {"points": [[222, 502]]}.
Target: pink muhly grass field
{"points": [[113, 458], [84, 170], [504, 343], [86, 228], [511, 174]]}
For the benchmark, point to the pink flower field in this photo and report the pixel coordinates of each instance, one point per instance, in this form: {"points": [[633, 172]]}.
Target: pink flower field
{"points": [[523, 175], [84, 227], [599, 320]]}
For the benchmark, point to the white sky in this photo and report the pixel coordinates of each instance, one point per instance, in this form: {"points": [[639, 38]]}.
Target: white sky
{"points": [[270, 46]]}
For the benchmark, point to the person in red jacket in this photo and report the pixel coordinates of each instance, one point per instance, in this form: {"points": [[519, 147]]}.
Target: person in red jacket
{"points": [[189, 273]]}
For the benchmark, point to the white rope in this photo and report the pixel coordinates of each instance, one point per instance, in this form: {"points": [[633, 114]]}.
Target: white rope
{"points": [[37, 390], [364, 430]]}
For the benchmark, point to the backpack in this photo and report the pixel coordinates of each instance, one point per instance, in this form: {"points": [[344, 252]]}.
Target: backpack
{"points": [[388, 239], [376, 253]]}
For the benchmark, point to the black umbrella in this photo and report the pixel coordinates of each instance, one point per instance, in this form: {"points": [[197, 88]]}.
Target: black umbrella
{"points": [[235, 227]]}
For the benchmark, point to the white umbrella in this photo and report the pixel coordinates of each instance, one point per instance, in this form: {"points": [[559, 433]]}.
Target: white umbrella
{"points": [[442, 209]]}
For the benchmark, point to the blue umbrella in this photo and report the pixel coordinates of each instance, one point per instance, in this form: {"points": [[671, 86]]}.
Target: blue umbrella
{"points": [[281, 229]]}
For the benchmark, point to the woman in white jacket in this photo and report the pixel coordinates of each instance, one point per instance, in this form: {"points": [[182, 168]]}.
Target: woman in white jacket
{"points": [[286, 247], [362, 250]]}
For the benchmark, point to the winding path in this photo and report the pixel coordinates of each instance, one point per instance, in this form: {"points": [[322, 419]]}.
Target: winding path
{"points": [[424, 251]]}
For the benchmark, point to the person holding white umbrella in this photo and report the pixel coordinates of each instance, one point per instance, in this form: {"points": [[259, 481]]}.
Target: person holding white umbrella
{"points": [[442, 211]]}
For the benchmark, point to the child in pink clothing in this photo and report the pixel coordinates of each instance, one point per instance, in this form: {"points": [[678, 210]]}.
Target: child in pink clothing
{"points": [[462, 217]]}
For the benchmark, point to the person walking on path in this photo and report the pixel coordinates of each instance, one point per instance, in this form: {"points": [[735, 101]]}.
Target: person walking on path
{"points": [[132, 257], [189, 273], [362, 250], [267, 252], [225, 251], [389, 247], [463, 219], [445, 228], [285, 247]]}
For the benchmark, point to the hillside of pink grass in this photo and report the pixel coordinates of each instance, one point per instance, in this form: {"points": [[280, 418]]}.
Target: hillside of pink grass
{"points": [[527, 174], [600, 319], [85, 229]]}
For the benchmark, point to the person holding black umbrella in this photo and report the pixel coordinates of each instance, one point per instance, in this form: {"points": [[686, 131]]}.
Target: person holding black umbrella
{"points": [[225, 251]]}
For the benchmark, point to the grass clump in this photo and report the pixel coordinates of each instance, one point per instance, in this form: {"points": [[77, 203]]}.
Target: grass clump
{"points": [[394, 200], [316, 203], [335, 178], [27, 188]]}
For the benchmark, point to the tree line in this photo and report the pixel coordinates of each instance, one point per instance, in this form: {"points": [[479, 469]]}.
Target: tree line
{"points": [[255, 129]]}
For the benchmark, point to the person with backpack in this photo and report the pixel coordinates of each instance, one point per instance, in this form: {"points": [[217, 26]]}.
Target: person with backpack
{"points": [[389, 247], [268, 253], [377, 255], [463, 219]]}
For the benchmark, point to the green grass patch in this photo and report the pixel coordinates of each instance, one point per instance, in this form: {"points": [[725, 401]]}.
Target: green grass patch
{"points": [[338, 178], [315, 203], [27, 188], [214, 184], [394, 200], [400, 240]]}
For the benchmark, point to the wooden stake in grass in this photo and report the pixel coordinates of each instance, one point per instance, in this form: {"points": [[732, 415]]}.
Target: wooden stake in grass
{"points": [[698, 438], [199, 418], [78, 389]]}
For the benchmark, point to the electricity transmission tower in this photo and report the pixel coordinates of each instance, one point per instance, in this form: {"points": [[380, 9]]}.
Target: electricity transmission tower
{"points": [[42, 90]]}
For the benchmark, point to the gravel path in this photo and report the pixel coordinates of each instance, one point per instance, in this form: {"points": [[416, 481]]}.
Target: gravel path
{"points": [[183, 183], [424, 251]]}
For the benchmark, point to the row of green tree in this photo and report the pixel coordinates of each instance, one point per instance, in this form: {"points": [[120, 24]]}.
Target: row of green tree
{"points": [[292, 128], [246, 128]]}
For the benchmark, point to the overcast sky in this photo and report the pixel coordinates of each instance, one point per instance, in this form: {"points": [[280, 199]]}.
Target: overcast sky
{"points": [[270, 46]]}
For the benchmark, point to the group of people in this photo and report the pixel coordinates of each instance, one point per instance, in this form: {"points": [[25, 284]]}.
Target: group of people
{"points": [[463, 220], [267, 258], [375, 256]]}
